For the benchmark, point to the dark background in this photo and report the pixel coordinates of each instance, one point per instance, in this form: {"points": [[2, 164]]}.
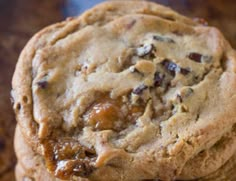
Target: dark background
{"points": [[20, 19]]}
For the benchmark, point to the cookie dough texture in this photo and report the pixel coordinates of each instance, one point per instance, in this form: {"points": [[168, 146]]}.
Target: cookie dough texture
{"points": [[127, 91]]}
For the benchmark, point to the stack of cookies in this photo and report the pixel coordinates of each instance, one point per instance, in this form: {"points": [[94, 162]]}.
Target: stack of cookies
{"points": [[128, 91]]}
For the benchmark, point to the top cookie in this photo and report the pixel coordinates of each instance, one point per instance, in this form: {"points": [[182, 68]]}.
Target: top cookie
{"points": [[125, 93]]}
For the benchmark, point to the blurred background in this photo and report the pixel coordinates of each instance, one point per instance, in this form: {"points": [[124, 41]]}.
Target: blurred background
{"points": [[20, 19]]}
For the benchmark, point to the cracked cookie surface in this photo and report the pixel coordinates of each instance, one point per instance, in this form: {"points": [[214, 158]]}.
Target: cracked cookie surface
{"points": [[128, 94]]}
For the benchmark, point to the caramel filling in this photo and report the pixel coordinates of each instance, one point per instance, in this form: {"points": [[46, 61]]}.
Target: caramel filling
{"points": [[66, 157], [107, 113]]}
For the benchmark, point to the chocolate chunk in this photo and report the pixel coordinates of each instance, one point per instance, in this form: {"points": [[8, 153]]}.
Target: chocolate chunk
{"points": [[158, 79], [173, 68], [195, 57], [144, 50], [42, 84], [139, 90], [163, 39], [184, 71], [179, 98], [170, 66]]}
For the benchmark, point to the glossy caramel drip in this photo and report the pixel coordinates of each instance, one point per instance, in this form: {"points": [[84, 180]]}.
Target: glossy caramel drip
{"points": [[66, 157], [115, 114]]}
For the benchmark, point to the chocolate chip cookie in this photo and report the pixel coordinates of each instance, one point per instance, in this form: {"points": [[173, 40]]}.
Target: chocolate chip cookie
{"points": [[124, 93]]}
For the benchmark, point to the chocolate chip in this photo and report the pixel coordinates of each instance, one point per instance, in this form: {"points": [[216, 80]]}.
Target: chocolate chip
{"points": [[139, 90], [42, 84], [179, 98], [174, 68], [195, 57], [163, 39], [158, 79], [144, 50], [170, 66], [184, 71]]}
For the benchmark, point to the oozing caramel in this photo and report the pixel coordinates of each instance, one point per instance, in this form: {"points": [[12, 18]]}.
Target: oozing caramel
{"points": [[66, 157], [103, 116], [107, 113]]}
